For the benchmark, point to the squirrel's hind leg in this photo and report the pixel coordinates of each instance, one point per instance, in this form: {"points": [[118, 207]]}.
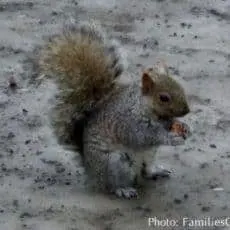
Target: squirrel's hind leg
{"points": [[150, 170], [155, 172], [121, 176]]}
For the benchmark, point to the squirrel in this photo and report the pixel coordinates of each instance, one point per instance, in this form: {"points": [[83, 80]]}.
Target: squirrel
{"points": [[119, 127]]}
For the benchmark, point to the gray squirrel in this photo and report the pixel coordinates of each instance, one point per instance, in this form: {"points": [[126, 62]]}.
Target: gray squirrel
{"points": [[119, 126]]}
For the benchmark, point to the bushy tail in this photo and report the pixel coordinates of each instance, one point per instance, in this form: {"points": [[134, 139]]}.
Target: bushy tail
{"points": [[85, 64]]}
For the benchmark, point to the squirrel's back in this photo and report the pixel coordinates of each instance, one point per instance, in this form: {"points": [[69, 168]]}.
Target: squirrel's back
{"points": [[85, 64]]}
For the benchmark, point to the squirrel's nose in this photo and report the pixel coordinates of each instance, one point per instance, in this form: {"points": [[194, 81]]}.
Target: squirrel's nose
{"points": [[186, 110]]}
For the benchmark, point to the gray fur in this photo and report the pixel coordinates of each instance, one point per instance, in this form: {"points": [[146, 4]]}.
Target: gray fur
{"points": [[122, 131], [120, 136]]}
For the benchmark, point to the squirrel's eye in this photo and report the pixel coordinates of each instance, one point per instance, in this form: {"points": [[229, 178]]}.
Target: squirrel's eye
{"points": [[165, 97]]}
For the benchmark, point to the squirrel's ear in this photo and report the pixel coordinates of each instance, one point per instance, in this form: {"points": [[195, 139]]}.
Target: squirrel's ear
{"points": [[147, 84], [161, 68]]}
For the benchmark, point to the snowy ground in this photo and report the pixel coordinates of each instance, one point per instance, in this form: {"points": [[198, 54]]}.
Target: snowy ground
{"points": [[42, 185]]}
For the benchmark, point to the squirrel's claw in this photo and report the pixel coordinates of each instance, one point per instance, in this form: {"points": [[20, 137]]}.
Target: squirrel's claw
{"points": [[161, 172], [187, 131], [157, 172], [175, 139], [127, 193]]}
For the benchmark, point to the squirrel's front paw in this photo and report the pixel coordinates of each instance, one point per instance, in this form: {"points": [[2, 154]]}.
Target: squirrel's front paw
{"points": [[127, 193], [175, 139], [181, 129]]}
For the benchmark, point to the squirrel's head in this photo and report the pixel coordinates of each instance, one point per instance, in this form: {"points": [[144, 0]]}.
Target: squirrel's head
{"points": [[164, 95]]}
